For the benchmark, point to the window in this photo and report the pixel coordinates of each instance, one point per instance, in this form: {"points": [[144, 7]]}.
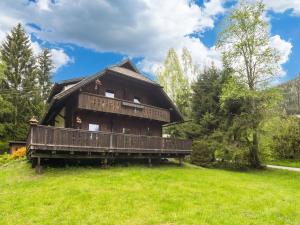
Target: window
{"points": [[109, 94], [94, 127], [136, 100]]}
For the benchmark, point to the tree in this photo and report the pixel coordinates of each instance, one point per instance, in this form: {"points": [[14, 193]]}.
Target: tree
{"points": [[245, 45], [175, 83], [45, 67], [20, 86], [189, 68], [206, 99], [6, 113]]}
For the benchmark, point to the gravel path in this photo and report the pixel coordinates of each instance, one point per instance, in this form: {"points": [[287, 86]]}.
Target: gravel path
{"points": [[284, 168]]}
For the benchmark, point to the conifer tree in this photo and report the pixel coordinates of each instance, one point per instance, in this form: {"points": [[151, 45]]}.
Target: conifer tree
{"points": [[45, 67], [19, 83]]}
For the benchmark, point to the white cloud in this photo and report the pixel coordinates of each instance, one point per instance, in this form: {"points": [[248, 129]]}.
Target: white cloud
{"points": [[281, 6], [284, 49], [60, 58], [43, 4], [136, 28]]}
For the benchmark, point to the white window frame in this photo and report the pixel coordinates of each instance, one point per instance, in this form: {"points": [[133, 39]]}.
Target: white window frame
{"points": [[109, 94], [94, 127]]}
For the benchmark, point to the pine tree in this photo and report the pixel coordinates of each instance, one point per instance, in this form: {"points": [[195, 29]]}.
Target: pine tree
{"points": [[207, 90], [20, 78], [45, 67], [6, 112]]}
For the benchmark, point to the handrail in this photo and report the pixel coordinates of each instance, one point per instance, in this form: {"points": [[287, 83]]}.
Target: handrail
{"points": [[53, 136], [123, 100], [101, 103]]}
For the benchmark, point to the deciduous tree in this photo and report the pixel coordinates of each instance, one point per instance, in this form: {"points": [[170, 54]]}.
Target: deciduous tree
{"points": [[175, 82], [245, 45]]}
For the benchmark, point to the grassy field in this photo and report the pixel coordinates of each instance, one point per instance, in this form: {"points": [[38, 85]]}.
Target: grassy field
{"points": [[139, 195], [289, 163]]}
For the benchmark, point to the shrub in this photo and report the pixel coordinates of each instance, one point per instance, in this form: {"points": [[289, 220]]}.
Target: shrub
{"points": [[19, 153], [203, 153], [3, 147], [5, 158], [286, 142], [232, 157]]}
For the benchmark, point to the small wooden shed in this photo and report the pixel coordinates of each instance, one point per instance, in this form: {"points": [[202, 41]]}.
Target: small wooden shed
{"points": [[14, 145]]}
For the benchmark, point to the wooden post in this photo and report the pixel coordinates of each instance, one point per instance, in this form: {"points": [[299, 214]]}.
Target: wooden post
{"points": [[38, 168], [110, 141], [180, 161], [33, 123], [105, 164], [149, 162]]}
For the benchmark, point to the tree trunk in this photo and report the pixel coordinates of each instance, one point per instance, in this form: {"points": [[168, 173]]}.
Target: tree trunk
{"points": [[254, 148]]}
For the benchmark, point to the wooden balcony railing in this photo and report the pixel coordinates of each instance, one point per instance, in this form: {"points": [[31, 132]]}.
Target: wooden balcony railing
{"points": [[118, 106], [67, 139]]}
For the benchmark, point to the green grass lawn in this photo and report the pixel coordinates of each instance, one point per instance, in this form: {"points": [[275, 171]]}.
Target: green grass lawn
{"points": [[166, 194], [289, 163]]}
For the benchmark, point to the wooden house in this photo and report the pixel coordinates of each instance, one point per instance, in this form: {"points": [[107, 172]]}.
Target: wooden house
{"points": [[117, 112]]}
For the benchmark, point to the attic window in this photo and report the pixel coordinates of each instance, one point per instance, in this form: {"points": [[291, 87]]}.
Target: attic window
{"points": [[136, 100], [109, 94]]}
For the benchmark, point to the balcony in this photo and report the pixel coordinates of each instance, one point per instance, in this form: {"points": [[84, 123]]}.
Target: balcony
{"points": [[47, 142], [111, 105]]}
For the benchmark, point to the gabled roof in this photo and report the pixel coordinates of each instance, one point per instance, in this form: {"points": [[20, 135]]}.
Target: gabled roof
{"points": [[131, 74], [125, 68], [58, 87]]}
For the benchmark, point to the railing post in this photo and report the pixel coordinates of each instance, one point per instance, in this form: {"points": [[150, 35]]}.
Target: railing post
{"points": [[33, 123], [111, 141]]}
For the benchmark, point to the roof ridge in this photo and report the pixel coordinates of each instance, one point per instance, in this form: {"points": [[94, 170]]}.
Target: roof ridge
{"points": [[71, 80], [140, 74]]}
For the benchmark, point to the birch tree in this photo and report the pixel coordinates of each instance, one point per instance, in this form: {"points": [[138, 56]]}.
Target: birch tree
{"points": [[245, 46], [175, 83]]}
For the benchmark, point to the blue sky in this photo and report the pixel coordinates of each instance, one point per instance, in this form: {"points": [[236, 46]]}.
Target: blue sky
{"points": [[87, 36]]}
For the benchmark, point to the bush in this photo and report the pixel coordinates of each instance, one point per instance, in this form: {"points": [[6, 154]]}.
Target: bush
{"points": [[20, 153], [4, 147], [233, 157], [286, 142], [203, 153]]}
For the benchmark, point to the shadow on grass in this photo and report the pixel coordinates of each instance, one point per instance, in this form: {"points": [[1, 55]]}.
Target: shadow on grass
{"points": [[64, 164]]}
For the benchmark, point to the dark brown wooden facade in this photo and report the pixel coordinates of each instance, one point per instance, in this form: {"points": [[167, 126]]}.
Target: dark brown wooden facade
{"points": [[115, 113]]}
